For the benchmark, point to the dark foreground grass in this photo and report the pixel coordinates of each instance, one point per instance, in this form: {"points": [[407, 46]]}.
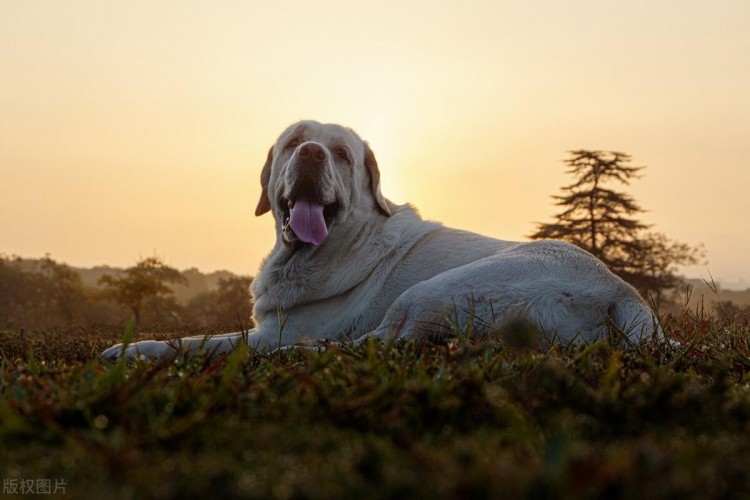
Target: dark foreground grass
{"points": [[459, 419]]}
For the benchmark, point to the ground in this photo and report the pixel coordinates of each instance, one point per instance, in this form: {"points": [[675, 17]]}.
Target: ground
{"points": [[461, 418]]}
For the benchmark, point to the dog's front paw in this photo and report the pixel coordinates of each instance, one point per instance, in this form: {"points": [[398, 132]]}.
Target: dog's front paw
{"points": [[145, 350]]}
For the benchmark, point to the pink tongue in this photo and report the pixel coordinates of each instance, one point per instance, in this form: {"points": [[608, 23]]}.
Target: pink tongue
{"points": [[307, 221]]}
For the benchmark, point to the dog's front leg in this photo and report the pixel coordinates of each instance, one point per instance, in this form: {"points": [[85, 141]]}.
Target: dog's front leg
{"points": [[162, 351]]}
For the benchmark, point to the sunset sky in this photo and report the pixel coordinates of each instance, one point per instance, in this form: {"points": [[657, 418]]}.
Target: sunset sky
{"points": [[134, 127]]}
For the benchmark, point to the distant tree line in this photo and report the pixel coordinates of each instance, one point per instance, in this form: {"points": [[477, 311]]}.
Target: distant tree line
{"points": [[726, 310], [39, 294]]}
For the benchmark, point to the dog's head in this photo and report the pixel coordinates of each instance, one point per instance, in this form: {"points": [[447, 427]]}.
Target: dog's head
{"points": [[315, 176]]}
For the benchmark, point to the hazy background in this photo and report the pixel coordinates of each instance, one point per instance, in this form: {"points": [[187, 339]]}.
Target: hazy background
{"points": [[133, 127]]}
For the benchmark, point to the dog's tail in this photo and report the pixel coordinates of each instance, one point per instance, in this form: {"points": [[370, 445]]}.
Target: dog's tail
{"points": [[634, 318]]}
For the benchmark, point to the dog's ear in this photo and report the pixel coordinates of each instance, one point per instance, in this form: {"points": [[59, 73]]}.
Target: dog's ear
{"points": [[372, 167], [264, 204]]}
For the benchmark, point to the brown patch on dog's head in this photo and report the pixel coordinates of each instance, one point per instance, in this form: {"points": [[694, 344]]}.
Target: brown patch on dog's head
{"points": [[372, 168], [264, 203]]}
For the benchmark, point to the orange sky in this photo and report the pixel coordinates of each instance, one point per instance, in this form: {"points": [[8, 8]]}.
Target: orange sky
{"points": [[134, 127]]}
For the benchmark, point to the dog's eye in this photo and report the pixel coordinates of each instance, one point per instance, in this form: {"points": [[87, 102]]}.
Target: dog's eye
{"points": [[341, 153], [292, 144]]}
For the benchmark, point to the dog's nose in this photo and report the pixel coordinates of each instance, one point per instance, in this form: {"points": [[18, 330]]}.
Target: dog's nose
{"points": [[312, 154]]}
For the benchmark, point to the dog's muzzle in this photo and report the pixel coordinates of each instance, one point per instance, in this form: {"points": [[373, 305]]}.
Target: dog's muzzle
{"points": [[306, 217]]}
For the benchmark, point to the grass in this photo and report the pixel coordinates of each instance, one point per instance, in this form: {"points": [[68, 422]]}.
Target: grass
{"points": [[462, 418]]}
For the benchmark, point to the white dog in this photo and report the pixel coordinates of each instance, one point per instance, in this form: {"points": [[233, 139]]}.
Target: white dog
{"points": [[350, 264]]}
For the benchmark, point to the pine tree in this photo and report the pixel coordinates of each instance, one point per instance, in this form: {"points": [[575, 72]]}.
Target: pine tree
{"points": [[603, 221]]}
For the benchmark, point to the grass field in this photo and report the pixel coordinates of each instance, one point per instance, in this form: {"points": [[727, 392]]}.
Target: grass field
{"points": [[457, 419]]}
